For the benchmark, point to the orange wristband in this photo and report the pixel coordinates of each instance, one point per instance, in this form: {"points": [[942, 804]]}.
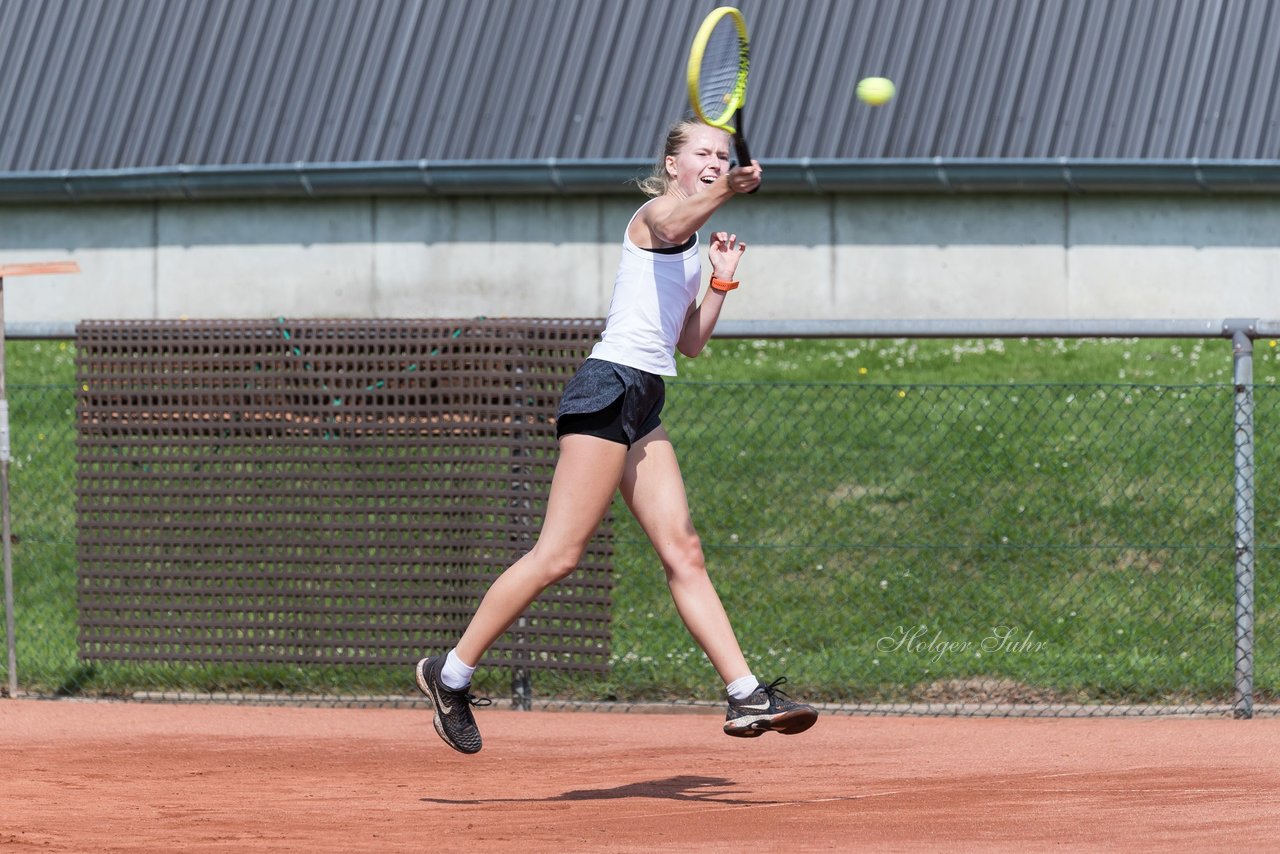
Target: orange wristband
{"points": [[722, 286]]}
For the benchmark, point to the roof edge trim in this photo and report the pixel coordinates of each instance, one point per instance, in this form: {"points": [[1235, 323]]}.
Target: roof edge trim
{"points": [[554, 176]]}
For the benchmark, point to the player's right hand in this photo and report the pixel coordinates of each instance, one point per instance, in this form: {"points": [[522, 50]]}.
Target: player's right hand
{"points": [[745, 179]]}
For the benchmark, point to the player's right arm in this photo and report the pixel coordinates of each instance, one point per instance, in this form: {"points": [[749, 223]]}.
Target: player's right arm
{"points": [[671, 220]]}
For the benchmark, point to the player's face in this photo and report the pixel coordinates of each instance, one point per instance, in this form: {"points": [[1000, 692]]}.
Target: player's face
{"points": [[701, 160]]}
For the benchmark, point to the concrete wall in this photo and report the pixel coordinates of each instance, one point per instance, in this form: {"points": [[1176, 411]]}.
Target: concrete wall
{"points": [[921, 256]]}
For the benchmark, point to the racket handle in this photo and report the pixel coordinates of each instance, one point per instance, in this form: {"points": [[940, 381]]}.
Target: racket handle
{"points": [[740, 149], [740, 146], [744, 155]]}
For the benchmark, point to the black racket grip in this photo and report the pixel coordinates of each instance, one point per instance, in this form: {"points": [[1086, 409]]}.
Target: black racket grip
{"points": [[740, 147]]}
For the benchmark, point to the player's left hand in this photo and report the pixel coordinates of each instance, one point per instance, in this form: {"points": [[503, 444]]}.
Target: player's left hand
{"points": [[724, 254]]}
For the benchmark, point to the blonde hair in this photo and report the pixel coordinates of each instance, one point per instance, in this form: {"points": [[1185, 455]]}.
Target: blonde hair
{"points": [[656, 183]]}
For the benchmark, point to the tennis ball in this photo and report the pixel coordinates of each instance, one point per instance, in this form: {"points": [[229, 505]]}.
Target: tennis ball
{"points": [[875, 90]]}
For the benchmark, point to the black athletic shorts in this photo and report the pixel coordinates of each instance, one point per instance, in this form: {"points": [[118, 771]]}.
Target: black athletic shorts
{"points": [[612, 401]]}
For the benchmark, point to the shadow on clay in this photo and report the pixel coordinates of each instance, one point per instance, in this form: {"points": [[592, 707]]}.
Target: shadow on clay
{"points": [[716, 790]]}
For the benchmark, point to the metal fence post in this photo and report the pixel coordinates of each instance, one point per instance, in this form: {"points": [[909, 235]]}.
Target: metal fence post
{"points": [[10, 621], [1242, 372]]}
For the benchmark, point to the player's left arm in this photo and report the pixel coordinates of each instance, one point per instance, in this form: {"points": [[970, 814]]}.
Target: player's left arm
{"points": [[724, 254]]}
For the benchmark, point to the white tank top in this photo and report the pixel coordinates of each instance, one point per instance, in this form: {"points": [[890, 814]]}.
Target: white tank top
{"points": [[651, 298]]}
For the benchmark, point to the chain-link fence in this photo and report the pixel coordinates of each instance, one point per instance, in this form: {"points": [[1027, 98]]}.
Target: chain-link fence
{"points": [[1056, 549]]}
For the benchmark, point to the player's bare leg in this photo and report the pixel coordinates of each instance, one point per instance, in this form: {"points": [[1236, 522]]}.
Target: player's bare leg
{"points": [[585, 480], [654, 490]]}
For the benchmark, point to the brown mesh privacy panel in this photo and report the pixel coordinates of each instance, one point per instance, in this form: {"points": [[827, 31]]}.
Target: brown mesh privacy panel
{"points": [[310, 491]]}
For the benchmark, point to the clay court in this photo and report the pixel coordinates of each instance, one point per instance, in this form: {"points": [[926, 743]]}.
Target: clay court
{"points": [[93, 776]]}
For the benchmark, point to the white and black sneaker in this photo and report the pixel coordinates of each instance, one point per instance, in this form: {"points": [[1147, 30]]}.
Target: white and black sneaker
{"points": [[768, 710], [454, 721]]}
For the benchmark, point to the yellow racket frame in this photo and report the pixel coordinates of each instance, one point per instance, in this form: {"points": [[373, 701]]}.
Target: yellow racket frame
{"points": [[738, 95]]}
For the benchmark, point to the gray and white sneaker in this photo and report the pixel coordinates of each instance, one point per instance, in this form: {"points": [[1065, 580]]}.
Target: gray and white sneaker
{"points": [[768, 710], [453, 719]]}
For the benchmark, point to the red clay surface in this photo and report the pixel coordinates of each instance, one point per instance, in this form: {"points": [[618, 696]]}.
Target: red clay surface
{"points": [[127, 777]]}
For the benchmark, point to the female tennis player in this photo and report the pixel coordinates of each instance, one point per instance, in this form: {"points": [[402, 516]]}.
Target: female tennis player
{"points": [[611, 437]]}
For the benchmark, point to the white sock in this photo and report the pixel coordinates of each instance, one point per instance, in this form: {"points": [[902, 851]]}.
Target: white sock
{"points": [[741, 689], [455, 674]]}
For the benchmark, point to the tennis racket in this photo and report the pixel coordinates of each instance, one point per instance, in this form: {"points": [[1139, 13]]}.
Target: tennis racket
{"points": [[718, 65]]}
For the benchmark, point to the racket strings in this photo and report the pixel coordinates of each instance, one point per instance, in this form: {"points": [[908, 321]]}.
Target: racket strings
{"points": [[718, 78]]}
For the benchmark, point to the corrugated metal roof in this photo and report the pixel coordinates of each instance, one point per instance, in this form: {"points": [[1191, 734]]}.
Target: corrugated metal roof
{"points": [[138, 85]]}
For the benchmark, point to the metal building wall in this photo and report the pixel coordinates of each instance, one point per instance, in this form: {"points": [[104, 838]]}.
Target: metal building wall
{"points": [[116, 84]]}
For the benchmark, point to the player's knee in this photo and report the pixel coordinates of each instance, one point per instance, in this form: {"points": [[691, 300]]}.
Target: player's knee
{"points": [[557, 562], [684, 557]]}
